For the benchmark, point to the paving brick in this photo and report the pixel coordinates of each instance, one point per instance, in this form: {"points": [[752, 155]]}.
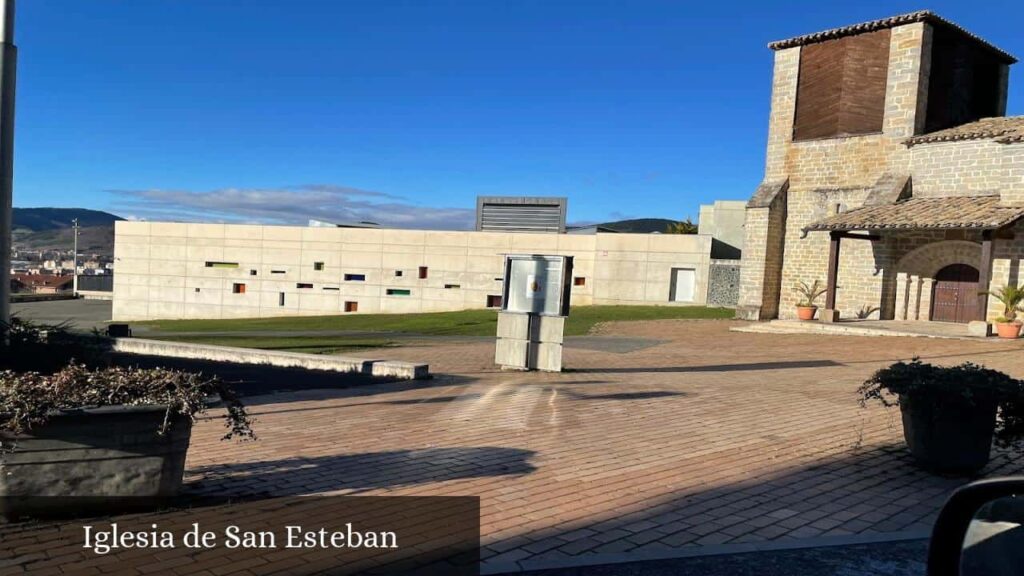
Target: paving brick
{"points": [[684, 444]]}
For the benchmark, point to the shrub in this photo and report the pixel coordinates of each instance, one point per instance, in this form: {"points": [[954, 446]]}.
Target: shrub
{"points": [[29, 399], [937, 384], [48, 348]]}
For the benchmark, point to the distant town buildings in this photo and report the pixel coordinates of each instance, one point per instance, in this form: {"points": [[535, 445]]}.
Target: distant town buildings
{"points": [[41, 283]]}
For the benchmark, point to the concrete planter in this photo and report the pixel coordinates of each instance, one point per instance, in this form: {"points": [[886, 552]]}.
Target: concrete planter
{"points": [[1009, 330], [951, 435], [806, 312], [110, 452]]}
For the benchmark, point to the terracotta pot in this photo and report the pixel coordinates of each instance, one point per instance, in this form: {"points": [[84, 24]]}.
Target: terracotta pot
{"points": [[1008, 329], [806, 312]]}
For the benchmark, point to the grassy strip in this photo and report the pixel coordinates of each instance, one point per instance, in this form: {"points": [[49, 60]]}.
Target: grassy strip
{"points": [[462, 323]]}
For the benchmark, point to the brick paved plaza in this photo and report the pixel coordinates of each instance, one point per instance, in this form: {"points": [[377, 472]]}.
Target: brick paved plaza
{"points": [[709, 437]]}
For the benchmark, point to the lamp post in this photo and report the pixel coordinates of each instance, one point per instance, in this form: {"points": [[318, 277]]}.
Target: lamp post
{"points": [[74, 261], [8, 74]]}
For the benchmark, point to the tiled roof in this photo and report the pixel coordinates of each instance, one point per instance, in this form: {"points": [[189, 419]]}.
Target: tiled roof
{"points": [[1004, 129], [891, 22], [970, 212], [34, 280]]}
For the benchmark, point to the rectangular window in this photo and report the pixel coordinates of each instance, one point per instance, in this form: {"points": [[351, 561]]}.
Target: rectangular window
{"points": [[237, 288], [222, 264], [303, 285], [423, 272], [332, 288], [355, 277], [278, 272], [280, 298], [398, 273], [451, 286], [493, 301], [579, 281], [398, 292], [351, 306], [318, 266], [252, 272]]}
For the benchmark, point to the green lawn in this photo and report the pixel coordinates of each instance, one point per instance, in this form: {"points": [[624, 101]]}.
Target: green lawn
{"points": [[463, 323]]}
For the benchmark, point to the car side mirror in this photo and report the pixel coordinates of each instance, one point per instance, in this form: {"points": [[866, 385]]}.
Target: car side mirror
{"points": [[980, 530]]}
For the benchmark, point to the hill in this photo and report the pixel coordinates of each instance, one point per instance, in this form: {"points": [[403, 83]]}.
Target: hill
{"points": [[91, 239], [40, 219], [639, 225]]}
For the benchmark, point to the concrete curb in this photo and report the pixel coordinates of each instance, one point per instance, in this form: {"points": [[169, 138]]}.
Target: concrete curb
{"points": [[379, 368], [699, 551], [784, 327]]}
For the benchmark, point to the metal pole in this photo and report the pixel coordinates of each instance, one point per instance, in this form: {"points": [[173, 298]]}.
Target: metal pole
{"points": [[74, 262], [8, 74]]}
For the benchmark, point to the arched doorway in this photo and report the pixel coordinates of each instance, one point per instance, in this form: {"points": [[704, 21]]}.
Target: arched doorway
{"points": [[955, 294]]}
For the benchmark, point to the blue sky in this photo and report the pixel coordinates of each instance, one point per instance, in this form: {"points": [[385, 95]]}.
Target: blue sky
{"points": [[404, 112]]}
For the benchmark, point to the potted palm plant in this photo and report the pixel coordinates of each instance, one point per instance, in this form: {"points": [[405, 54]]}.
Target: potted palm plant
{"points": [[1012, 298], [805, 307], [950, 414]]}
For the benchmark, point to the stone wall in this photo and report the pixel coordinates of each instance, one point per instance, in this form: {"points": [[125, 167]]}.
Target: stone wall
{"points": [[967, 168], [724, 283], [832, 175]]}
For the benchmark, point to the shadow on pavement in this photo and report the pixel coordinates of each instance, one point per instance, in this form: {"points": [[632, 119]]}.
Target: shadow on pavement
{"points": [[754, 366], [355, 473]]}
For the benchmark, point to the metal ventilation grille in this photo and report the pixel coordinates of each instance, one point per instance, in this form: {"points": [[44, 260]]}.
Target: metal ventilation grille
{"points": [[521, 217]]}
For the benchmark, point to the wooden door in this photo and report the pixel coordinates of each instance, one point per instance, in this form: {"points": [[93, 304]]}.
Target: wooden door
{"points": [[955, 294]]}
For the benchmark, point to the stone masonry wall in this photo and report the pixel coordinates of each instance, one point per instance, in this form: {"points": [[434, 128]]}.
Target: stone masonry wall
{"points": [[965, 168], [724, 283], [831, 175]]}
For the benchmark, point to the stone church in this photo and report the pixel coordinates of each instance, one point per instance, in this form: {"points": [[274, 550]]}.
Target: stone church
{"points": [[893, 175]]}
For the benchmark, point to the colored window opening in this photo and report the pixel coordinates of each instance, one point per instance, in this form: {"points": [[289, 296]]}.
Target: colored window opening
{"points": [[222, 264], [238, 288], [355, 277], [398, 292]]}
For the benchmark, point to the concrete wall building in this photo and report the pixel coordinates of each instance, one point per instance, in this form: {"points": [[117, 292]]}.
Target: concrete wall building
{"points": [[723, 221], [892, 174], [178, 270]]}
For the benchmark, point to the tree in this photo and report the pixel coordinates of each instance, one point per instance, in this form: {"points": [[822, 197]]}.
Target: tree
{"points": [[682, 227]]}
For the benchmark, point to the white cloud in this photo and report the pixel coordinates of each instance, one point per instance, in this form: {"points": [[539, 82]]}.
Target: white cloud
{"points": [[289, 205]]}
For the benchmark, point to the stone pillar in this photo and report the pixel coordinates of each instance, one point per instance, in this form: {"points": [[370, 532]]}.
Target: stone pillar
{"points": [[924, 309], [783, 111], [764, 247], [906, 96], [915, 296], [902, 296]]}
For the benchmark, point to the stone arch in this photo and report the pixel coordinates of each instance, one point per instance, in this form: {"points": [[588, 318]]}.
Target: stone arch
{"points": [[915, 274]]}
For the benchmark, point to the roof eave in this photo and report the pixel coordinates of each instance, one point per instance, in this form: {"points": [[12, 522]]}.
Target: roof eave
{"points": [[891, 22]]}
